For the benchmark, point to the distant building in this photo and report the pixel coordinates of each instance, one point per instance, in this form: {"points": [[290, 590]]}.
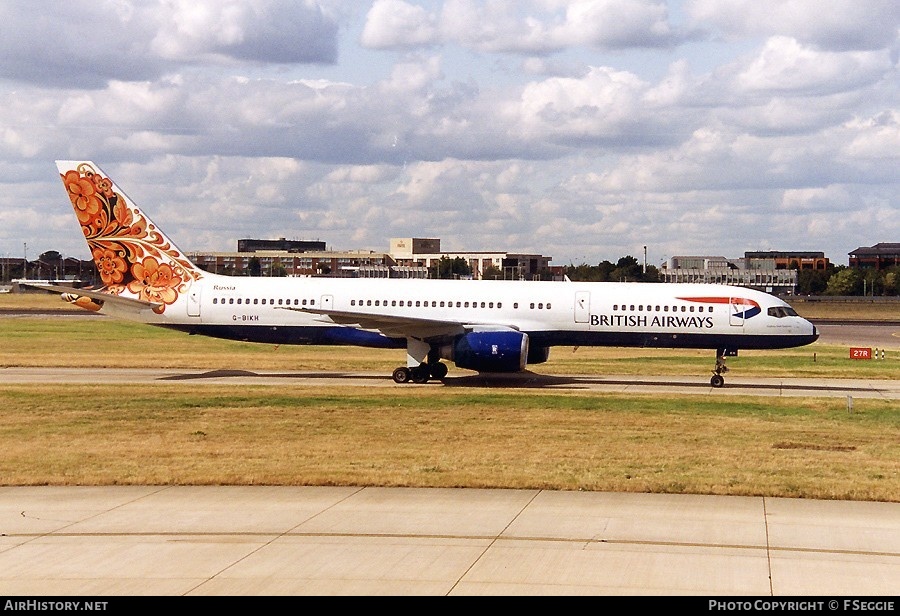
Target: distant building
{"points": [[68, 268], [704, 263], [427, 253], [405, 247], [281, 244], [777, 260], [880, 256], [340, 264], [719, 270], [771, 281]]}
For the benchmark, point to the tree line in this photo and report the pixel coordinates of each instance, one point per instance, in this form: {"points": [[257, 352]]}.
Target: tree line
{"points": [[844, 280]]}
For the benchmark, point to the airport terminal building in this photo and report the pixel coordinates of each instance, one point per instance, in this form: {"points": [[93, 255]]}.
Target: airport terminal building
{"points": [[407, 258], [769, 271], [426, 252]]}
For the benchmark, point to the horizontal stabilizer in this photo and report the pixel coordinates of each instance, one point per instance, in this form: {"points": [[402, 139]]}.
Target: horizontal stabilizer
{"points": [[101, 296]]}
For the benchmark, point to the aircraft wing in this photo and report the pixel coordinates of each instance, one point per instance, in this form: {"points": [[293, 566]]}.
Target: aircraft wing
{"points": [[395, 326], [100, 296]]}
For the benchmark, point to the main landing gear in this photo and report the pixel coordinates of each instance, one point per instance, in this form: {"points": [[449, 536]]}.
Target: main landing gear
{"points": [[421, 373], [717, 379]]}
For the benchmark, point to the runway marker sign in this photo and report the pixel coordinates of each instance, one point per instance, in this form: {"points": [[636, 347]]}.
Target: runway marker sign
{"points": [[860, 353]]}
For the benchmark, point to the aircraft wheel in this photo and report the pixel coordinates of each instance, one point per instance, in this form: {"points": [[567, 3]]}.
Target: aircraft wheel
{"points": [[717, 381], [401, 375], [438, 370], [420, 374]]}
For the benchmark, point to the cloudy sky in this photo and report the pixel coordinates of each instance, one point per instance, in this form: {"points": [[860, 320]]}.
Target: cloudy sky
{"points": [[583, 130]]}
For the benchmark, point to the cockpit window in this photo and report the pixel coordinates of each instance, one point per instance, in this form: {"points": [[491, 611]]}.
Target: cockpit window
{"points": [[780, 312]]}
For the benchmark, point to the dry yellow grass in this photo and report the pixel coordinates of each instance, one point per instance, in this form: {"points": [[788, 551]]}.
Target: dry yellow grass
{"points": [[35, 301], [441, 437], [862, 309]]}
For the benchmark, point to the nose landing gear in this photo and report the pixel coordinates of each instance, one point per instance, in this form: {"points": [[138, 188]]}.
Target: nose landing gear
{"points": [[717, 379]]}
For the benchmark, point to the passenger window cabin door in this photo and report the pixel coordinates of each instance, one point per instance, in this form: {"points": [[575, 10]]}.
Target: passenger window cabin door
{"points": [[193, 300], [736, 309], [583, 307]]}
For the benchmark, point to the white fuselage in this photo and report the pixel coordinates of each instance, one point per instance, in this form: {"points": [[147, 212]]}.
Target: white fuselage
{"points": [[300, 310]]}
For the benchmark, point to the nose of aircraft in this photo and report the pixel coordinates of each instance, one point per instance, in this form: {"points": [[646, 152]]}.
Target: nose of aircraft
{"points": [[809, 327]]}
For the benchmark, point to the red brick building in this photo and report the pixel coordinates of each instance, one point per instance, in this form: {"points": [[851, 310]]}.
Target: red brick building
{"points": [[880, 256]]}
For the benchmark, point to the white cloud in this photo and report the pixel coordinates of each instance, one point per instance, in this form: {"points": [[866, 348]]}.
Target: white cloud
{"points": [[784, 65], [603, 102], [876, 138], [530, 126], [85, 43], [835, 25], [617, 24], [398, 24], [262, 31], [520, 27]]}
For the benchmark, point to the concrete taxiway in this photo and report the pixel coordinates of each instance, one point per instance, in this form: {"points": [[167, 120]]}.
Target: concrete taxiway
{"points": [[817, 387], [179, 540]]}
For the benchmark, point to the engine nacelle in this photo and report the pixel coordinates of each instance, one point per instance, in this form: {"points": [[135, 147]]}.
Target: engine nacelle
{"points": [[500, 351]]}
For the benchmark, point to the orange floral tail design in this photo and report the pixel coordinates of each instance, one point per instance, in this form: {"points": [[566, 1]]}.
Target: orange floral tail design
{"points": [[134, 258]]}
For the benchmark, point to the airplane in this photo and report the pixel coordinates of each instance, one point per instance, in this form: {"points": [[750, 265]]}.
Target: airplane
{"points": [[480, 325]]}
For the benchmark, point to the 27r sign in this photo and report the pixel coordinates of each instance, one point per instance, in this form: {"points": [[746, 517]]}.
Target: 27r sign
{"points": [[860, 353]]}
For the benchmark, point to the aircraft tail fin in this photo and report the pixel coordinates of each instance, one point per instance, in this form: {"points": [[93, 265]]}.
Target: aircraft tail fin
{"points": [[134, 257]]}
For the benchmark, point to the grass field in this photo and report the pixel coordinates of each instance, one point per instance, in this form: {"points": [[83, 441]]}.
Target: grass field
{"points": [[432, 436], [440, 437]]}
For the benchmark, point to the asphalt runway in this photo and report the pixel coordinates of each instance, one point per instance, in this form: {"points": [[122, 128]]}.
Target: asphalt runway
{"points": [[881, 336]]}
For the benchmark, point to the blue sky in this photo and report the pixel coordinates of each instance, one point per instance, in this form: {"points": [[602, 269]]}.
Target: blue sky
{"points": [[582, 130]]}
